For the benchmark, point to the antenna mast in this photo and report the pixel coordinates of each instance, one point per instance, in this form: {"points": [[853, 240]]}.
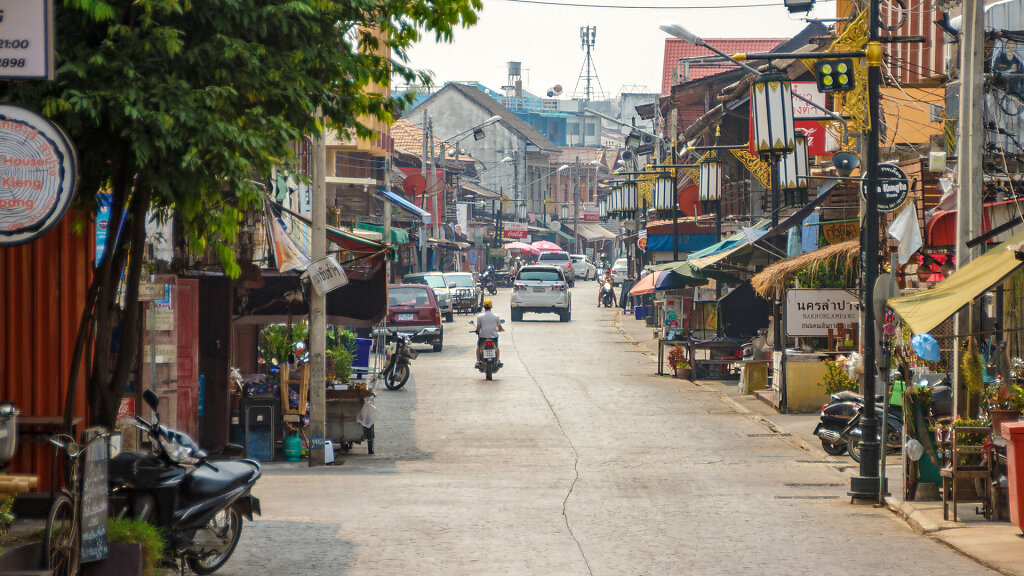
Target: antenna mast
{"points": [[588, 73]]}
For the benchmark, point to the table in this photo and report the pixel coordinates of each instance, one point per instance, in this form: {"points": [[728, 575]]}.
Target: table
{"points": [[711, 346]]}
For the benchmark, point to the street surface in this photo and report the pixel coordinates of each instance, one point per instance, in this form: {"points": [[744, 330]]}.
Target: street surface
{"points": [[575, 460]]}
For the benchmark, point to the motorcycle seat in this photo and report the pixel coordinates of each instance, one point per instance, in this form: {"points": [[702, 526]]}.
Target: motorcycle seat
{"points": [[205, 481], [848, 395]]}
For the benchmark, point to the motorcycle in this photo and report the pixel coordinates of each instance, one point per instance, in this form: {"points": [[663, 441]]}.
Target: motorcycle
{"points": [[399, 353], [607, 294], [489, 356], [488, 284], [197, 503], [891, 422]]}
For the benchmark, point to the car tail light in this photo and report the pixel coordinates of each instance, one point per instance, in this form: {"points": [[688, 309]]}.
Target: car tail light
{"points": [[437, 316], [519, 287], [560, 287]]}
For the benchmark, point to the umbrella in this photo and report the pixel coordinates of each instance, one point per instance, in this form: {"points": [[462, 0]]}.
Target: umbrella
{"points": [[522, 247], [664, 281], [545, 246]]}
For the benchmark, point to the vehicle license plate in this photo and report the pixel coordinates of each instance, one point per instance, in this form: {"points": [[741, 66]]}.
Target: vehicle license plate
{"points": [[406, 317], [488, 354], [539, 289]]}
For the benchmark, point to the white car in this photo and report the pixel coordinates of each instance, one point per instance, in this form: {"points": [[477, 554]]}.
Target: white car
{"points": [[582, 267], [619, 271], [560, 260], [541, 289]]}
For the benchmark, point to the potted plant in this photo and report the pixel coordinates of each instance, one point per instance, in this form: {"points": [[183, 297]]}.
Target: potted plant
{"points": [[677, 360], [1003, 403]]}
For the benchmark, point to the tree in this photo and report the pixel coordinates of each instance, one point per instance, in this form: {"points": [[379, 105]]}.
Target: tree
{"points": [[175, 106]]}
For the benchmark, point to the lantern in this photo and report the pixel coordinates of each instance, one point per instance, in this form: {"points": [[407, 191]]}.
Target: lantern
{"points": [[521, 211], [771, 104], [664, 192], [630, 193], [602, 208], [710, 186], [793, 168], [616, 197], [563, 212]]}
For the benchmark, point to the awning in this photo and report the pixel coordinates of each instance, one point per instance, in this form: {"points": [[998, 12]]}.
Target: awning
{"points": [[404, 205], [479, 191], [564, 235], [923, 311], [398, 236], [594, 232], [445, 243], [718, 252], [804, 211]]}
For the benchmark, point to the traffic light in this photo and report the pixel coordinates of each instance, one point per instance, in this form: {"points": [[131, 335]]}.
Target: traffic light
{"points": [[834, 75]]}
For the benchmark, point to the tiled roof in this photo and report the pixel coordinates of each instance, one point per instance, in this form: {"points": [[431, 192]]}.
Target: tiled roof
{"points": [[676, 49], [408, 138], [509, 118]]}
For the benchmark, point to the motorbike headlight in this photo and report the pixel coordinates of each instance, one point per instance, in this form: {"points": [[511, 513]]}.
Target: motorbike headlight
{"points": [[177, 452]]}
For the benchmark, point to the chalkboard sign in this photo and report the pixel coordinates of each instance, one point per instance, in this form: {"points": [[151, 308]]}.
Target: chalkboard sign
{"points": [[93, 515]]}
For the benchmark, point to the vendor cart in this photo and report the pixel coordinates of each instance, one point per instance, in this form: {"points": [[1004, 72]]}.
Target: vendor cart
{"points": [[343, 406]]}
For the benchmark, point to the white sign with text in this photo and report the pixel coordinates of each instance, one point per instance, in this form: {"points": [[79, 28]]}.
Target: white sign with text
{"points": [[26, 39], [813, 312]]}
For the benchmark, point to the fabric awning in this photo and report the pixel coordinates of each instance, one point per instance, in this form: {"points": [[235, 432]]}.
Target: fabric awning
{"points": [[923, 311], [564, 235], [398, 236], [804, 211], [594, 232], [445, 243], [404, 205], [718, 252]]}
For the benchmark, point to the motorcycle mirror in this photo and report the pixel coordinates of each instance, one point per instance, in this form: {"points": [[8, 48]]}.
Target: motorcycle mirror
{"points": [[152, 400], [502, 320]]}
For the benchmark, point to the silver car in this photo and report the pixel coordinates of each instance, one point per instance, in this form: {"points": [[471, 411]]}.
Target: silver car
{"points": [[619, 271], [582, 267], [465, 291], [437, 282], [542, 289]]}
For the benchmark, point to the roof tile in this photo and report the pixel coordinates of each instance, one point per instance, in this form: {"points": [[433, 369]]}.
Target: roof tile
{"points": [[676, 49]]}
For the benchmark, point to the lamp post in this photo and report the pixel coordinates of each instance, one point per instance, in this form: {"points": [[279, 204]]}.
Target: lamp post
{"points": [[710, 195], [794, 171], [628, 194]]}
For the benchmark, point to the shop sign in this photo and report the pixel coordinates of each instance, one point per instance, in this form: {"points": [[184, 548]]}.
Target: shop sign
{"points": [[813, 312], [126, 409], [152, 292], [515, 230], [160, 319], [165, 353], [591, 214], [325, 275], [103, 202], [838, 232], [641, 240], [893, 188], [38, 169], [26, 40], [500, 252]]}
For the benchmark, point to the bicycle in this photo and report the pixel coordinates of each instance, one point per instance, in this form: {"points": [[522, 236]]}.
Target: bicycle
{"points": [[63, 539]]}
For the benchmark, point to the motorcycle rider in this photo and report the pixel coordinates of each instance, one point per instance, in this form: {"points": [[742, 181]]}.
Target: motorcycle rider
{"points": [[606, 280], [488, 324]]}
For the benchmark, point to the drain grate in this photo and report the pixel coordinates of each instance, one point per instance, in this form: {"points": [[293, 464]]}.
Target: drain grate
{"points": [[813, 484], [807, 497], [820, 461], [767, 434]]}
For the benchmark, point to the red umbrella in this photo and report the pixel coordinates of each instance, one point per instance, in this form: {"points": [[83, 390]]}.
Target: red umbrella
{"points": [[522, 247], [545, 246]]}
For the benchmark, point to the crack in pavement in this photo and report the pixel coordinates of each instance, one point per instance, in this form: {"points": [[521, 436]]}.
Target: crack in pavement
{"points": [[575, 454]]}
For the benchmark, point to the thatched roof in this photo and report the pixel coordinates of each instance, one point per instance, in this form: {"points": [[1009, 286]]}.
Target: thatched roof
{"points": [[778, 275]]}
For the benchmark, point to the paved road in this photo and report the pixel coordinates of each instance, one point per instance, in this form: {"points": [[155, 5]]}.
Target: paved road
{"points": [[572, 462]]}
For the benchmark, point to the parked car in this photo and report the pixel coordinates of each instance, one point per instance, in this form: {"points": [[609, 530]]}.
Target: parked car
{"points": [[582, 267], [436, 281], [542, 289], [465, 291], [620, 269], [561, 260], [413, 311]]}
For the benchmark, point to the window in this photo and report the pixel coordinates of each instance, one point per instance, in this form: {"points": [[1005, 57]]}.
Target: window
{"points": [[590, 129], [528, 275], [407, 296]]}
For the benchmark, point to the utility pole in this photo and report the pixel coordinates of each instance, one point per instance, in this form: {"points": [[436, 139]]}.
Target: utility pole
{"points": [[866, 485], [318, 310], [969, 166], [432, 182], [423, 197], [576, 207]]}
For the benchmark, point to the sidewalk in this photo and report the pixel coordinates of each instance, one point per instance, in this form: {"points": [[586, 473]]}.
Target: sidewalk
{"points": [[997, 545]]}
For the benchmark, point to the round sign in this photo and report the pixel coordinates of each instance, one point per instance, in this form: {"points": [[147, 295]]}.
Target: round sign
{"points": [[893, 188], [38, 169], [555, 225]]}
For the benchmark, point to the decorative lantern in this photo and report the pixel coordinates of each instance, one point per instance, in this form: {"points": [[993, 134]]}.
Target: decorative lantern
{"points": [[793, 167], [563, 212], [602, 208], [521, 211], [616, 197], [710, 186], [664, 192], [771, 104], [630, 193]]}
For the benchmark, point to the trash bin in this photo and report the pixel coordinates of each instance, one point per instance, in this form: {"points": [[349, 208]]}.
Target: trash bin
{"points": [[1013, 432]]}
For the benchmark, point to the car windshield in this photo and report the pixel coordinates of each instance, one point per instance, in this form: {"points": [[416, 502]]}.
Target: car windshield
{"points": [[408, 296], [553, 256], [433, 280], [577, 258], [460, 280], [540, 275]]}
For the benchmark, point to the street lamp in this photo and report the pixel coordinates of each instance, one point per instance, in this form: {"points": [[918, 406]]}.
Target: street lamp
{"points": [[630, 190], [793, 169], [521, 212], [664, 192], [771, 104], [563, 212]]}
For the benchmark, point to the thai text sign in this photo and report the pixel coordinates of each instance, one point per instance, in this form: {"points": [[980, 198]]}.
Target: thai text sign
{"points": [[325, 275], [37, 175], [515, 230], [26, 39], [813, 312]]}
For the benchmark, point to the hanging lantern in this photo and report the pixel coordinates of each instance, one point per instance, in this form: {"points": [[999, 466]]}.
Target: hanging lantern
{"points": [[710, 185], [630, 192], [664, 192], [602, 208], [793, 167], [771, 105], [616, 197], [521, 211], [563, 212]]}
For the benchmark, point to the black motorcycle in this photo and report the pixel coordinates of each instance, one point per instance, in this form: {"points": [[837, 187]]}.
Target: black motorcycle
{"points": [[489, 359], [197, 503], [399, 354], [607, 295], [488, 284]]}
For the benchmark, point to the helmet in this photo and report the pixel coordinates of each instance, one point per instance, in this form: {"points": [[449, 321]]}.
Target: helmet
{"points": [[487, 303], [490, 268]]}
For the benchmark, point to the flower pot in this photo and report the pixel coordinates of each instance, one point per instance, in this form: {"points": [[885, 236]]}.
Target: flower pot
{"points": [[683, 373], [999, 416]]}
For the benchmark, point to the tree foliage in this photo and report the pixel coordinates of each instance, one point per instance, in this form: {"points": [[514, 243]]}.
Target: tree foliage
{"points": [[175, 106]]}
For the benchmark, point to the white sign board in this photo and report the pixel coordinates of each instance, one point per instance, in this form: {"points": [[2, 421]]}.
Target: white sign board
{"points": [[26, 39], [813, 312], [325, 275]]}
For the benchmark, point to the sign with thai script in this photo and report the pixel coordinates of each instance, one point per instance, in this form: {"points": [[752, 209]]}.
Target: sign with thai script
{"points": [[325, 275], [26, 39], [837, 232], [515, 230], [37, 175], [813, 312], [893, 188]]}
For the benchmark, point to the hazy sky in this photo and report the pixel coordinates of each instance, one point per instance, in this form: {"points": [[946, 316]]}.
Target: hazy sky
{"points": [[628, 51]]}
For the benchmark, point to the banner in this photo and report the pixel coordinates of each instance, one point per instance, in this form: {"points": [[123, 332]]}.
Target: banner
{"points": [[515, 230]]}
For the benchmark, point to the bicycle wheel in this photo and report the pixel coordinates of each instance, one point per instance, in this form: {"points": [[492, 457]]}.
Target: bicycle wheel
{"points": [[63, 546]]}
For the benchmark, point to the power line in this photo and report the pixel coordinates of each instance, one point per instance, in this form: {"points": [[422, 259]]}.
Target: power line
{"points": [[712, 7]]}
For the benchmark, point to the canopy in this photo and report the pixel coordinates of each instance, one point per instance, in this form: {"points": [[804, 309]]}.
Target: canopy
{"points": [[406, 206], [545, 246], [718, 252], [592, 232], [687, 269], [664, 280], [923, 311], [398, 236], [522, 247]]}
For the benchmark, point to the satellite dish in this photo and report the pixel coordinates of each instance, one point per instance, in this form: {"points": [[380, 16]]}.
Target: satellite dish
{"points": [[555, 91], [555, 225], [414, 184]]}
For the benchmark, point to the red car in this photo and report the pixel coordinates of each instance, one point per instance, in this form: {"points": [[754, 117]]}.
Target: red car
{"points": [[413, 311]]}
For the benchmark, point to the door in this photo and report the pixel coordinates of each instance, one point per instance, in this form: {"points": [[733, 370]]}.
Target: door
{"points": [[186, 321]]}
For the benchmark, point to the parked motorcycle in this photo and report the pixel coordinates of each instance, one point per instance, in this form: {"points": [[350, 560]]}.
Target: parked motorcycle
{"points": [[607, 294], [197, 503], [399, 353], [892, 423]]}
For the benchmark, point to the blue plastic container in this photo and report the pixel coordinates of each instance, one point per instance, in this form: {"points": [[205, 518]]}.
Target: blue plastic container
{"points": [[361, 355]]}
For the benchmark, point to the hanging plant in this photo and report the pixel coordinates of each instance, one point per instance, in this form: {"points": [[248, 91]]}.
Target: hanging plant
{"points": [[971, 368]]}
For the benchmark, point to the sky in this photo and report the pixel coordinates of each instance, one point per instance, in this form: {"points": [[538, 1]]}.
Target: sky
{"points": [[628, 51]]}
